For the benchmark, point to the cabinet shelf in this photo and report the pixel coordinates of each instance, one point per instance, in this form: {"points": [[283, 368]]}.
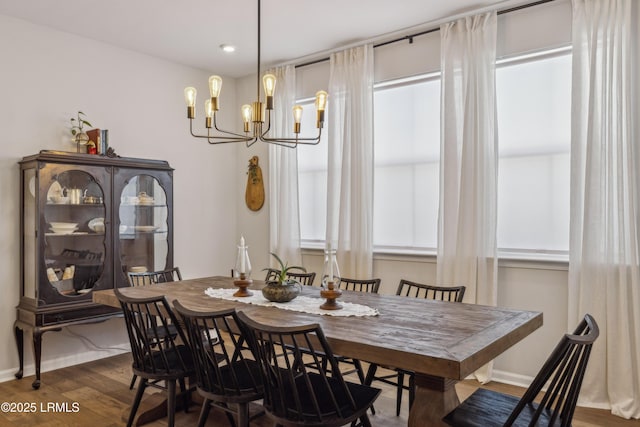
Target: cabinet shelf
{"points": [[77, 205], [75, 234], [133, 233], [129, 205]]}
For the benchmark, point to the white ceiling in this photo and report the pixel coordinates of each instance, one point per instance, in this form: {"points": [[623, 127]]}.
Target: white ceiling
{"points": [[190, 31]]}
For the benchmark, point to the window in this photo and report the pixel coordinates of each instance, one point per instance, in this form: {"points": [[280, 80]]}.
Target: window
{"points": [[534, 134], [312, 178], [407, 154], [534, 128]]}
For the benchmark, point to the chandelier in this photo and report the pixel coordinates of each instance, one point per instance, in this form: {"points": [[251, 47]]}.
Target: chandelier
{"points": [[253, 116]]}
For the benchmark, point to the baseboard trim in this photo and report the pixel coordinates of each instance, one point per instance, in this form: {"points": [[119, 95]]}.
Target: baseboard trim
{"points": [[511, 378], [60, 362]]}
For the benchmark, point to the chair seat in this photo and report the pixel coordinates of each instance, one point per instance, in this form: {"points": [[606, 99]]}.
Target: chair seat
{"points": [[364, 396], [173, 364], [163, 332], [243, 375], [487, 408]]}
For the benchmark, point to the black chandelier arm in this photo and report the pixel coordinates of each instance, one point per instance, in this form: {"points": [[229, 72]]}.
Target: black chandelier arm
{"points": [[263, 134], [226, 132], [291, 142], [214, 139], [286, 141], [295, 141], [252, 141]]}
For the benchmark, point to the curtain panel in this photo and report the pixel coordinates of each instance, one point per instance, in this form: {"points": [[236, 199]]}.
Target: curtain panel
{"points": [[284, 210], [604, 275], [467, 252], [350, 163]]}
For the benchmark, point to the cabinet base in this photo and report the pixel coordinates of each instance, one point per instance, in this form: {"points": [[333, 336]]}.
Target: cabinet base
{"points": [[37, 330]]}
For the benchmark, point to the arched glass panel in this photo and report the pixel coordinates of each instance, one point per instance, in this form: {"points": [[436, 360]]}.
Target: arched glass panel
{"points": [[143, 229], [75, 249]]}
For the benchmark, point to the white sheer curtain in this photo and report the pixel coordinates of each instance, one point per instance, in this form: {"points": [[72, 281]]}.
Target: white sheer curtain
{"points": [[604, 276], [284, 213], [468, 165], [350, 166]]}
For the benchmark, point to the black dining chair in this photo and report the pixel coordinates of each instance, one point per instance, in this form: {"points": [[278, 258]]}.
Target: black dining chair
{"points": [[153, 277], [150, 278], [226, 378], [357, 285], [296, 394], [159, 359], [562, 376], [397, 376]]}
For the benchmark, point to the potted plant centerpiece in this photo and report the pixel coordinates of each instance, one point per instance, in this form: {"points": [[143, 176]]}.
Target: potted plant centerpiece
{"points": [[282, 289]]}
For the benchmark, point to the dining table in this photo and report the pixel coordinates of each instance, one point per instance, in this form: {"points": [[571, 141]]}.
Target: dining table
{"points": [[441, 342]]}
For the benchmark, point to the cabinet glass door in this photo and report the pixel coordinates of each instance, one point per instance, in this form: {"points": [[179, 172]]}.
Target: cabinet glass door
{"points": [[143, 225], [73, 226]]}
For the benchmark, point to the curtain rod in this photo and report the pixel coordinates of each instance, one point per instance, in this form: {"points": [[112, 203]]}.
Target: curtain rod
{"points": [[410, 37]]}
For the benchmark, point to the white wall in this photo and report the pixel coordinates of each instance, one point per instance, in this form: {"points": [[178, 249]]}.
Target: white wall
{"points": [[45, 78], [537, 286]]}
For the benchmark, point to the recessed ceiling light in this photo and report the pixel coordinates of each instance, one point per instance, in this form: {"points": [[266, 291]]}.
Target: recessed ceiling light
{"points": [[227, 48]]}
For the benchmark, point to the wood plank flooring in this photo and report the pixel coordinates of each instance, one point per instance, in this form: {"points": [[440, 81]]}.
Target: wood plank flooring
{"points": [[97, 394]]}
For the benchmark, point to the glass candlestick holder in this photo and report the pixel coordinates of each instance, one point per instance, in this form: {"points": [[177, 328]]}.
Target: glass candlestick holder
{"points": [[242, 271], [330, 277]]}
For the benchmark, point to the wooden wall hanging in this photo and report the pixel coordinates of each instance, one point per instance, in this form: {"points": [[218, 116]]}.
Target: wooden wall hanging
{"points": [[254, 194]]}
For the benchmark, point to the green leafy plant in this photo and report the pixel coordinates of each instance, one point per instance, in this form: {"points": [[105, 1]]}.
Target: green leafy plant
{"points": [[284, 269], [77, 126]]}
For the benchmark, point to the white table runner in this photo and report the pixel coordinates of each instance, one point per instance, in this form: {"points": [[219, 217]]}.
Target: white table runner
{"points": [[301, 303]]}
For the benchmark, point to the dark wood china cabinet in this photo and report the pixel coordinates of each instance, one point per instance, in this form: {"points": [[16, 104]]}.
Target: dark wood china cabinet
{"points": [[86, 220]]}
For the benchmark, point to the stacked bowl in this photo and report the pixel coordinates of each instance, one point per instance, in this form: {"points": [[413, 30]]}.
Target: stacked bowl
{"points": [[63, 227]]}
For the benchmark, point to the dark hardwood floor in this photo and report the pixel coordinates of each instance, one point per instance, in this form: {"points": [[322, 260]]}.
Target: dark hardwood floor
{"points": [[97, 394]]}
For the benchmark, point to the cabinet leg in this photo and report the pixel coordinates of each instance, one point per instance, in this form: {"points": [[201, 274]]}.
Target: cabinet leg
{"points": [[19, 335], [37, 353]]}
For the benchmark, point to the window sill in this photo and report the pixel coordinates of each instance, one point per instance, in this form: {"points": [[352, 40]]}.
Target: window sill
{"points": [[556, 260]]}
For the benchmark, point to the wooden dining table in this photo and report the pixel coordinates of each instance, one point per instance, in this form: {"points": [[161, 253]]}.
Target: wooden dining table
{"points": [[442, 342]]}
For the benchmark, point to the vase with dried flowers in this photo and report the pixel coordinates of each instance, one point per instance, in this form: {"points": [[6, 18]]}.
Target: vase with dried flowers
{"points": [[78, 134]]}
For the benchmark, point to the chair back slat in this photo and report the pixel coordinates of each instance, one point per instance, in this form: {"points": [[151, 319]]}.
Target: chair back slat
{"points": [[153, 277], [563, 371], [223, 369], [420, 290], [299, 388], [305, 279], [360, 285]]}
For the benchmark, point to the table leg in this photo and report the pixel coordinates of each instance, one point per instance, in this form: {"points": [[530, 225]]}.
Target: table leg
{"points": [[154, 407], [435, 397]]}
